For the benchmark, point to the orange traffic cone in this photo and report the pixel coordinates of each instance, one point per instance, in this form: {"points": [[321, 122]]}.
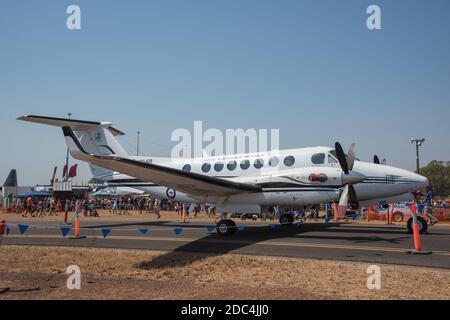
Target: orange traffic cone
{"points": [[417, 244]]}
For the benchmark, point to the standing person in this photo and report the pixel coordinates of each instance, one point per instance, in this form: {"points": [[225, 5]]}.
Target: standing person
{"points": [[40, 210], [157, 208], [58, 206], [140, 204], [14, 204], [52, 206], [94, 207], [150, 205], [129, 205], [114, 207], [66, 210], [29, 206]]}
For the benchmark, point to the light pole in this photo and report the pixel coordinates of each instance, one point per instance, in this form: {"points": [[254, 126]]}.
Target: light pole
{"points": [[67, 156], [138, 136], [419, 142]]}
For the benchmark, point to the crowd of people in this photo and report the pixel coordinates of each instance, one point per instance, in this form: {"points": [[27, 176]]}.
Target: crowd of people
{"points": [[121, 205], [52, 206]]}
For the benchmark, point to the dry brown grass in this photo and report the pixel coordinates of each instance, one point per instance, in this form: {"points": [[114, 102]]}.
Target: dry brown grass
{"points": [[186, 275]]}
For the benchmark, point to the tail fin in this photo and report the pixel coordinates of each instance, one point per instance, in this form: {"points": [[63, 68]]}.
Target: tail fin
{"points": [[95, 137], [11, 180]]}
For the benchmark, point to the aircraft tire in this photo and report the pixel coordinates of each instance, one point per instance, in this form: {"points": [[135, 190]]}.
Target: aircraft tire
{"points": [[423, 226], [226, 227], [286, 220]]}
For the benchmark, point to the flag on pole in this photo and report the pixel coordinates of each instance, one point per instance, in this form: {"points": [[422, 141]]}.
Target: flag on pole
{"points": [[64, 175], [73, 171], [54, 175]]}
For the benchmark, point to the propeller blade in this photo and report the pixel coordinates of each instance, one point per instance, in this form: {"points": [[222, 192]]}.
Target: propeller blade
{"points": [[376, 160], [343, 202], [345, 195], [353, 198], [341, 157], [351, 156]]}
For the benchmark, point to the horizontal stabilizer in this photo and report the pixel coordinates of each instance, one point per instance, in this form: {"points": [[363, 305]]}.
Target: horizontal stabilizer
{"points": [[76, 125]]}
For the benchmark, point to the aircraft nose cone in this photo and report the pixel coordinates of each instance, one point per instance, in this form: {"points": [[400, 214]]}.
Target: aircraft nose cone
{"points": [[353, 177], [417, 182], [422, 181]]}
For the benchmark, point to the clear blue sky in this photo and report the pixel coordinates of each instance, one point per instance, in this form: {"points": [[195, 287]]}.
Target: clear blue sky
{"points": [[310, 68]]}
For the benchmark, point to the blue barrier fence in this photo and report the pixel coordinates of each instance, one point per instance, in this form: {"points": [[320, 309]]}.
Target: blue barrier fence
{"points": [[106, 232]]}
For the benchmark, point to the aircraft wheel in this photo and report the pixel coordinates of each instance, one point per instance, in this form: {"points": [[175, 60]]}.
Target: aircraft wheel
{"points": [[226, 227], [423, 226], [286, 220]]}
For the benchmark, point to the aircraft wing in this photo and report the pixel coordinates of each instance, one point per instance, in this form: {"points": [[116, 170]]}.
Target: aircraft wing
{"points": [[187, 182]]}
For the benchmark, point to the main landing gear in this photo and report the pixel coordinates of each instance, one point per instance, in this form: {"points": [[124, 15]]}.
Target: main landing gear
{"points": [[287, 219], [225, 226]]}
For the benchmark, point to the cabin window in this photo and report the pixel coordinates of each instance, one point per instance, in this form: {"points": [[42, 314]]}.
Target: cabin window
{"points": [[245, 165], [318, 158], [218, 166], [274, 161], [206, 167], [289, 161], [259, 163], [187, 168], [232, 165]]}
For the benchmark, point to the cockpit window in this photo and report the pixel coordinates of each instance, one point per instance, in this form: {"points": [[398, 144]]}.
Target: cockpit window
{"points": [[331, 159], [318, 158], [334, 154]]}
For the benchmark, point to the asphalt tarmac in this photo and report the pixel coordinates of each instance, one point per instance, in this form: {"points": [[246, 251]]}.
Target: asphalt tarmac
{"points": [[371, 243]]}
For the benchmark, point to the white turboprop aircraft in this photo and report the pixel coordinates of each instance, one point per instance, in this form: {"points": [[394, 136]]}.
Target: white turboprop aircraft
{"points": [[245, 183]]}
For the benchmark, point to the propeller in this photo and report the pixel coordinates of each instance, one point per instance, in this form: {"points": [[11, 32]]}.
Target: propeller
{"points": [[376, 160], [349, 178]]}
